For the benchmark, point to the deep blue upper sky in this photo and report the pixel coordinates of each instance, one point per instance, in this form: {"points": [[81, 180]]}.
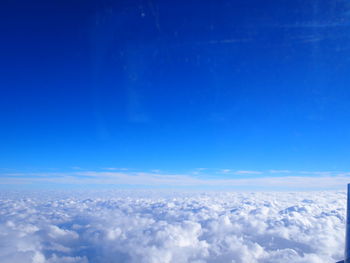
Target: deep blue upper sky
{"points": [[175, 85]]}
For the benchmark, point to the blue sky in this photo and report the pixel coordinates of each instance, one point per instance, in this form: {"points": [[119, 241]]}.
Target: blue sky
{"points": [[173, 87]]}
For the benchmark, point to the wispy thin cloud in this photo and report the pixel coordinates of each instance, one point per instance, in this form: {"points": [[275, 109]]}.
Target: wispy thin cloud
{"points": [[115, 169], [343, 173], [178, 180], [280, 171], [247, 172], [319, 173]]}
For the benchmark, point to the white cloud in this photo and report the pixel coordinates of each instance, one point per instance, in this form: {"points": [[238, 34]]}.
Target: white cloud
{"points": [[199, 171], [171, 227], [319, 173], [280, 171], [304, 181], [115, 169], [248, 172]]}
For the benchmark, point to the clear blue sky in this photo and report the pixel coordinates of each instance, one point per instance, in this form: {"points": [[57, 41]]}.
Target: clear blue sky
{"points": [[175, 85]]}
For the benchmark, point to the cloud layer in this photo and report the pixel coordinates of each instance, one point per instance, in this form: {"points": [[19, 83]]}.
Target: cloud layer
{"points": [[243, 179], [148, 227]]}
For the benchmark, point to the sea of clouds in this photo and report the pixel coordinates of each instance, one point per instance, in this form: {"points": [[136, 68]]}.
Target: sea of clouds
{"points": [[159, 227]]}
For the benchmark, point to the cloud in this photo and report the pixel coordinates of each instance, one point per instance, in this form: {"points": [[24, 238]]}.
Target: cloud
{"points": [[319, 173], [248, 172], [115, 169], [171, 227], [280, 171], [199, 171], [79, 178]]}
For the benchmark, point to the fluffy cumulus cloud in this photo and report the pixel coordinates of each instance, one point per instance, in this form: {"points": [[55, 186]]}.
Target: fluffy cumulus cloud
{"points": [[164, 228]]}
